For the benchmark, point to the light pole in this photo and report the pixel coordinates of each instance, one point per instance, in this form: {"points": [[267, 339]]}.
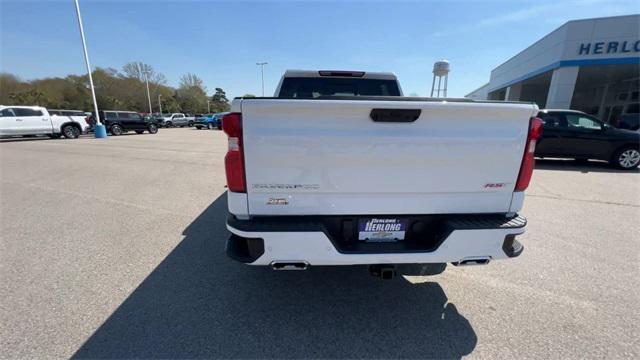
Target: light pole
{"points": [[146, 79], [160, 104], [262, 64], [208, 107], [100, 131]]}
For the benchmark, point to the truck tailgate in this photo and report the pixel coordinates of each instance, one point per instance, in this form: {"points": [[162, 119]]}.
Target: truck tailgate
{"points": [[328, 157]]}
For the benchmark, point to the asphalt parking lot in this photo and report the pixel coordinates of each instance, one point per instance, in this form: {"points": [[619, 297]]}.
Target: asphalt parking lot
{"points": [[115, 249]]}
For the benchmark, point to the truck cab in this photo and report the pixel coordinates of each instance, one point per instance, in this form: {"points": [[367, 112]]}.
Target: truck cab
{"points": [[305, 84]]}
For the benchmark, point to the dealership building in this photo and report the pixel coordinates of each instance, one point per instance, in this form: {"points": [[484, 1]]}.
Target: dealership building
{"points": [[592, 65]]}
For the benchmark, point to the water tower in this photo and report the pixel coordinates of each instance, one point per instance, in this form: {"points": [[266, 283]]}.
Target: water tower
{"points": [[440, 70]]}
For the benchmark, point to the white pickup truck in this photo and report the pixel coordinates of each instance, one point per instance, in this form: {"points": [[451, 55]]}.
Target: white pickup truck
{"points": [[339, 169], [36, 120]]}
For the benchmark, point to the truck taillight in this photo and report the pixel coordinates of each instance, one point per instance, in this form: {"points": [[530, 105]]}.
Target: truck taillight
{"points": [[234, 160], [528, 160]]}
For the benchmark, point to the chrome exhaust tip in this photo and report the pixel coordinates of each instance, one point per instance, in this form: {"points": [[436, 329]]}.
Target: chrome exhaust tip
{"points": [[289, 265]]}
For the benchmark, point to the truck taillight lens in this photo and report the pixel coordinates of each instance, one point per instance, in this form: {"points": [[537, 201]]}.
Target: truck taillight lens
{"points": [[528, 160], [234, 160]]}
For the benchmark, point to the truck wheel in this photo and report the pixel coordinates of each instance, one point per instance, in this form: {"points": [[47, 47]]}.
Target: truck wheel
{"points": [[139, 131], [152, 128], [168, 124], [626, 158], [190, 124], [70, 132], [209, 126], [198, 127], [116, 130]]}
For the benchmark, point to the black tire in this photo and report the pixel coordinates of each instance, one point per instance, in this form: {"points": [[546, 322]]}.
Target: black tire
{"points": [[139, 131], [70, 131], [116, 130], [626, 158], [209, 127], [168, 124], [198, 127], [190, 124], [152, 128]]}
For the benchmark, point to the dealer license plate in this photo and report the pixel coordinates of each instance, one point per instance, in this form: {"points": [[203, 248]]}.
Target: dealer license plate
{"points": [[381, 229]]}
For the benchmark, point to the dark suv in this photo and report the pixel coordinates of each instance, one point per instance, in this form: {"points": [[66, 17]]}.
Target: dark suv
{"points": [[574, 134], [119, 122]]}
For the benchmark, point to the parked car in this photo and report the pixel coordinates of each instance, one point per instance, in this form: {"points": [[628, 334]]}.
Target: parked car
{"points": [[119, 122], [79, 117], [191, 119], [178, 119], [340, 169], [574, 134], [158, 119], [36, 120], [204, 121], [217, 120]]}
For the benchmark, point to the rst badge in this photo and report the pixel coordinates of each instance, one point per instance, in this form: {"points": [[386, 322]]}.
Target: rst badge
{"points": [[494, 185], [381, 230]]}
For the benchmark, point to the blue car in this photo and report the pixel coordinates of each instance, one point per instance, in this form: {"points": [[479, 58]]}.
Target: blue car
{"points": [[204, 121], [217, 120]]}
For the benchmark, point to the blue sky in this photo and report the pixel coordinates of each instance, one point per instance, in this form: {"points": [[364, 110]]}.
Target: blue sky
{"points": [[221, 41]]}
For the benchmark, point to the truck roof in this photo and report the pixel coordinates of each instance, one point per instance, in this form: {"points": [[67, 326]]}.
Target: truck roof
{"points": [[341, 73]]}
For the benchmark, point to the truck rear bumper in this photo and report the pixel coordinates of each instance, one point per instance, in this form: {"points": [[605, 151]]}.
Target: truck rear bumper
{"points": [[316, 241]]}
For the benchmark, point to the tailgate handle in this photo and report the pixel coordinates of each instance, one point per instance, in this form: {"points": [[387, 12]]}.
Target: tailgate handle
{"points": [[395, 115]]}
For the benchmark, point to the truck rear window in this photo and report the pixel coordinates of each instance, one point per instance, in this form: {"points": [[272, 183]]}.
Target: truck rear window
{"points": [[309, 88]]}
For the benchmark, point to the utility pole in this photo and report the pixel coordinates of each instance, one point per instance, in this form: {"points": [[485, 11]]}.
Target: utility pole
{"points": [[99, 130], [262, 64], [160, 104], [208, 107], [146, 79]]}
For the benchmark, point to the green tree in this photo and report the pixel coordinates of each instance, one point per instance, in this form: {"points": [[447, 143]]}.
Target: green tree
{"points": [[170, 104], [10, 84], [191, 95], [137, 69], [28, 97], [115, 90], [190, 80], [248, 96], [219, 101]]}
